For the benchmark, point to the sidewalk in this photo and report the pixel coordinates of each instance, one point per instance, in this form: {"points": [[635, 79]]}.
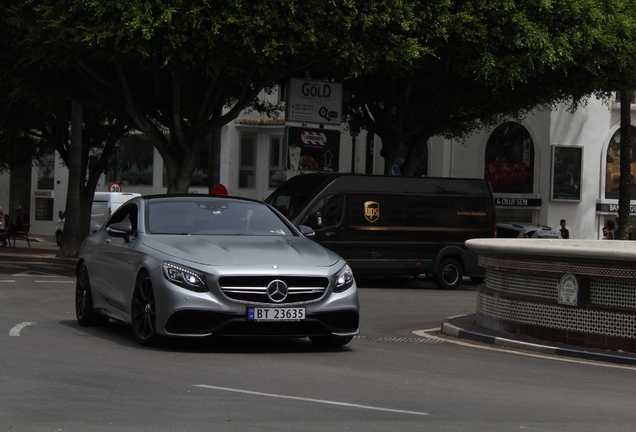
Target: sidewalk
{"points": [[43, 250], [465, 327]]}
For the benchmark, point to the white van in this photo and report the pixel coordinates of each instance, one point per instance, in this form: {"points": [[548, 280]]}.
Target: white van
{"points": [[104, 204]]}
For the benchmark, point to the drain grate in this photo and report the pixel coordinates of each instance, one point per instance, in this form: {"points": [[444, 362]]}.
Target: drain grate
{"points": [[406, 340]]}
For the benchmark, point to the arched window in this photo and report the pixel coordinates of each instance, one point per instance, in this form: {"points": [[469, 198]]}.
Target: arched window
{"points": [[510, 159], [612, 165]]}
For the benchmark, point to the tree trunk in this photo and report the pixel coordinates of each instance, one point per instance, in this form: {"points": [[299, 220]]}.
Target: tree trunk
{"points": [[624, 196], [415, 152], [389, 151], [77, 211], [179, 179]]}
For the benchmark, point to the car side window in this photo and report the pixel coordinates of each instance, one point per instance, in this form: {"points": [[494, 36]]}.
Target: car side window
{"points": [[126, 212], [331, 208]]}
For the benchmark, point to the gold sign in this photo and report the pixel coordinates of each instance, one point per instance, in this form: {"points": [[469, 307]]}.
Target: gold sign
{"points": [[372, 211]]}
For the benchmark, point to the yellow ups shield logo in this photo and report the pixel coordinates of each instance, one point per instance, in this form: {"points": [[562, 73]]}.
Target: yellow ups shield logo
{"points": [[372, 211]]}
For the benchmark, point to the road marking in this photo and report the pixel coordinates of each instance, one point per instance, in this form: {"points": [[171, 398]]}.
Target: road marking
{"points": [[56, 281], [322, 401], [15, 331], [424, 333], [37, 273], [7, 280]]}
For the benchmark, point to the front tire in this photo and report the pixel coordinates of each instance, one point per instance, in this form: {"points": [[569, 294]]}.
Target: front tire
{"points": [[330, 341], [86, 315], [143, 313], [449, 274]]}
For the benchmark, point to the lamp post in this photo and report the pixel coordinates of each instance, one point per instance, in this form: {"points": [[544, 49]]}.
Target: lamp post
{"points": [[354, 135]]}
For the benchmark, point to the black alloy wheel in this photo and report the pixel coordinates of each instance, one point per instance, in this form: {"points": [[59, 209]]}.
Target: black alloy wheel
{"points": [[449, 274], [143, 314], [86, 315]]}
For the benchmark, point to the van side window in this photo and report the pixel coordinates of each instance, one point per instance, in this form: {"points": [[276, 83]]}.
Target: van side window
{"points": [[331, 208]]}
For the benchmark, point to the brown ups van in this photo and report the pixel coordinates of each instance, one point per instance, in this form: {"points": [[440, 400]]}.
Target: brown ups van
{"points": [[390, 226]]}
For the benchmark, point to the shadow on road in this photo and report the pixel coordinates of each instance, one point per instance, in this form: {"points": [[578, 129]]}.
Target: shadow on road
{"points": [[121, 334], [420, 283]]}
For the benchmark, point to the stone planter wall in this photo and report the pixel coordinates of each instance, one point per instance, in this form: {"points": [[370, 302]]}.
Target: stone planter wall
{"points": [[521, 292]]}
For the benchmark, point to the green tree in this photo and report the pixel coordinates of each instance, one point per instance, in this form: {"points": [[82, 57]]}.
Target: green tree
{"points": [[183, 69], [484, 61], [37, 119]]}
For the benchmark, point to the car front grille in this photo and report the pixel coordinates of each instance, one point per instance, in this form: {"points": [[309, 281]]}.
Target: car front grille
{"points": [[253, 289]]}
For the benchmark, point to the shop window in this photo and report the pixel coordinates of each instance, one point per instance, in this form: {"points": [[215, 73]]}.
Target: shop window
{"points": [[46, 173], [132, 162], [510, 159], [277, 174], [247, 162], [612, 166], [199, 174], [44, 209], [632, 98]]}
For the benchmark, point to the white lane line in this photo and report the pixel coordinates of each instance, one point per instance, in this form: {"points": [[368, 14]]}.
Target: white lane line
{"points": [[56, 281], [423, 333], [15, 331], [7, 280], [322, 401]]}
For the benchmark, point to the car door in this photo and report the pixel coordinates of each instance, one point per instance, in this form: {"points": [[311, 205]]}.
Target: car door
{"points": [[116, 261]]}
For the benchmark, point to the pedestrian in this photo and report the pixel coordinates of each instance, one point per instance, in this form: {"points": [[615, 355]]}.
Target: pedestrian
{"points": [[605, 233], [610, 225], [565, 233], [616, 236], [4, 232]]}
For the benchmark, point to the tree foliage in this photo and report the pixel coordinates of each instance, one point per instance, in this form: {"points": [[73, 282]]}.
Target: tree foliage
{"points": [[485, 61], [183, 69]]}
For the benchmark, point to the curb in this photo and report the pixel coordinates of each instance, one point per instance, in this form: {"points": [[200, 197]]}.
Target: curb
{"points": [[34, 259], [449, 329]]}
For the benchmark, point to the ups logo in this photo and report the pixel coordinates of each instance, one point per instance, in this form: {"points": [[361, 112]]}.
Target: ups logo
{"points": [[372, 211]]}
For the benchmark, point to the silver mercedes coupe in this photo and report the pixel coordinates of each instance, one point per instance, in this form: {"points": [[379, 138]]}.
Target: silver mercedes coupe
{"points": [[199, 266]]}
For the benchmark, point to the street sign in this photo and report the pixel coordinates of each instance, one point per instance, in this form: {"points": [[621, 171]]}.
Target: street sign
{"points": [[114, 187], [312, 101], [313, 149]]}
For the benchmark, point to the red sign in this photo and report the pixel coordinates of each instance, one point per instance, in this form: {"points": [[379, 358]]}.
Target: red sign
{"points": [[114, 187], [314, 138]]}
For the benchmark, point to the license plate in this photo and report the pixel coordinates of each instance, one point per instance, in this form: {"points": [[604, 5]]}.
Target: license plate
{"points": [[275, 314]]}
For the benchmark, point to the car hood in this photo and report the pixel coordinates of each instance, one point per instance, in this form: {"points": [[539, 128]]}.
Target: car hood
{"points": [[228, 250]]}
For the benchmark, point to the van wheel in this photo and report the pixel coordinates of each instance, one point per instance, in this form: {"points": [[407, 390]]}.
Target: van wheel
{"points": [[449, 274]]}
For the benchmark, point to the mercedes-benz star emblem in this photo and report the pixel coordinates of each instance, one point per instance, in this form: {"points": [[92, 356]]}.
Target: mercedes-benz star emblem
{"points": [[277, 291]]}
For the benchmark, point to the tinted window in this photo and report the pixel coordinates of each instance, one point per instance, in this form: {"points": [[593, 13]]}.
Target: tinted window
{"points": [[331, 209], [210, 216]]}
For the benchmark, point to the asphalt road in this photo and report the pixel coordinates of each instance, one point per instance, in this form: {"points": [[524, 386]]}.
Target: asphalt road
{"points": [[58, 376]]}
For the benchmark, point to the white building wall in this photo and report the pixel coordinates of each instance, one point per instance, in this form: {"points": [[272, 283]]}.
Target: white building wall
{"points": [[590, 127]]}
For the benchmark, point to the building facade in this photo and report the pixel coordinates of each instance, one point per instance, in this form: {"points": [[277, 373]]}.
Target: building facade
{"points": [[553, 165]]}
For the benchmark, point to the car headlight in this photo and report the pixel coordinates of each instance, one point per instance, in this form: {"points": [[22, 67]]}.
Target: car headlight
{"points": [[344, 279], [184, 277]]}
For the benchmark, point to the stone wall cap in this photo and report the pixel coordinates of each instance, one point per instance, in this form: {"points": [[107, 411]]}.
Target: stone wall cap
{"points": [[620, 250]]}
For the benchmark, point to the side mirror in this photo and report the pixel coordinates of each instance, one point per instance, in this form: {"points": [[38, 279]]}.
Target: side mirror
{"points": [[120, 229], [307, 231], [315, 220]]}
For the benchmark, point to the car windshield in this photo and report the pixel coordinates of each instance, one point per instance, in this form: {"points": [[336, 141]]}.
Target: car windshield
{"points": [[213, 217]]}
